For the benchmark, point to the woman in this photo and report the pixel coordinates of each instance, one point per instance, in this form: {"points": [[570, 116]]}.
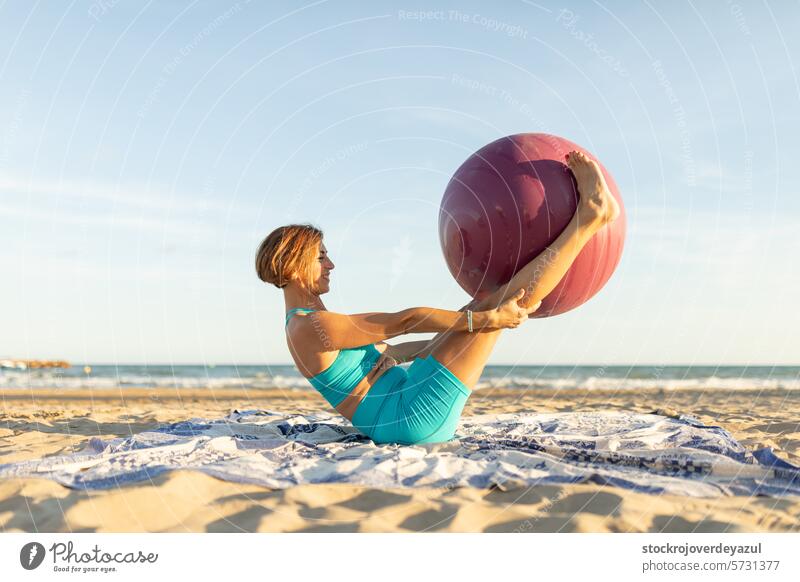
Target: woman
{"points": [[345, 356]]}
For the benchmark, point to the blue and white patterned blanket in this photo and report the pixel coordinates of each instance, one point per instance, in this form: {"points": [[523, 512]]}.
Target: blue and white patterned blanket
{"points": [[649, 453]]}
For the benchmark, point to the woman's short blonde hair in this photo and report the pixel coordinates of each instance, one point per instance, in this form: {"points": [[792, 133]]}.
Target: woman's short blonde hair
{"points": [[286, 252]]}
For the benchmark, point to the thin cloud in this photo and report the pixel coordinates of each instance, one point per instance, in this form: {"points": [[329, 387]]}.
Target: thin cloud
{"points": [[146, 197], [172, 226]]}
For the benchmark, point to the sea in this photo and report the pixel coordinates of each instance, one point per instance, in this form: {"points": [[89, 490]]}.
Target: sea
{"points": [[522, 377]]}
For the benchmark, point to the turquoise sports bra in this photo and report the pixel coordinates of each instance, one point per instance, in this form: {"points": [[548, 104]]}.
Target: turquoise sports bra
{"points": [[346, 371]]}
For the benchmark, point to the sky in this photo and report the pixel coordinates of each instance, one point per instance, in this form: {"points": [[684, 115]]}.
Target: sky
{"points": [[147, 148]]}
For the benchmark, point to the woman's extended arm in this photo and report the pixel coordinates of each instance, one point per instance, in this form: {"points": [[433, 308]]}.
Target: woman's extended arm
{"points": [[337, 331], [506, 315], [329, 331], [431, 319]]}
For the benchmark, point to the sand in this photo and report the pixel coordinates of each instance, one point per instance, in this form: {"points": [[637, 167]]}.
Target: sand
{"points": [[37, 423]]}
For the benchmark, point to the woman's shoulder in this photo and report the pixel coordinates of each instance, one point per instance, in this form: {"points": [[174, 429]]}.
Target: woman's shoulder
{"points": [[300, 312]]}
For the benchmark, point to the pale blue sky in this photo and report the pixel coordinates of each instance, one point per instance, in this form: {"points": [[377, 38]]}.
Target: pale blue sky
{"points": [[147, 148]]}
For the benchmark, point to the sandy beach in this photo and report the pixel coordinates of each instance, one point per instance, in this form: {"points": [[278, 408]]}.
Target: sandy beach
{"points": [[43, 422]]}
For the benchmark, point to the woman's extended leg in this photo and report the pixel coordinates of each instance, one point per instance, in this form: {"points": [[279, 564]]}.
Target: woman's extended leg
{"points": [[465, 354]]}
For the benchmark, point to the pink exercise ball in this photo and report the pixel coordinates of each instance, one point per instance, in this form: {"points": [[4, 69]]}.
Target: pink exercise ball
{"points": [[506, 203]]}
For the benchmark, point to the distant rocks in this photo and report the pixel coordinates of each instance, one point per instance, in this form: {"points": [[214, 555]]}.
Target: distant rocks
{"points": [[30, 364]]}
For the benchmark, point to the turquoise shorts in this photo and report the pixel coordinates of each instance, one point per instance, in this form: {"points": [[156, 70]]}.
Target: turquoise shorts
{"points": [[419, 405]]}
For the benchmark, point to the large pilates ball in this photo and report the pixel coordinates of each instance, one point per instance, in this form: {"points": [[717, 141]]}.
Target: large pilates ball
{"points": [[508, 202]]}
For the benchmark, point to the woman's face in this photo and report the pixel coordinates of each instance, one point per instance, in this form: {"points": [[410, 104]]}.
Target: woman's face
{"points": [[322, 270]]}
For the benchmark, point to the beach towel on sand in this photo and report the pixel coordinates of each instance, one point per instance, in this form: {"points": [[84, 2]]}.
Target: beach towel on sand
{"points": [[649, 453]]}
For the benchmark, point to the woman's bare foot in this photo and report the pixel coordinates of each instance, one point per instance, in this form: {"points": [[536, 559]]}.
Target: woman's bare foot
{"points": [[597, 205]]}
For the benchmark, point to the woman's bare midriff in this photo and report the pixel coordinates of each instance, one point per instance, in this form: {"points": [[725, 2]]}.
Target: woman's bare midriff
{"points": [[348, 406]]}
